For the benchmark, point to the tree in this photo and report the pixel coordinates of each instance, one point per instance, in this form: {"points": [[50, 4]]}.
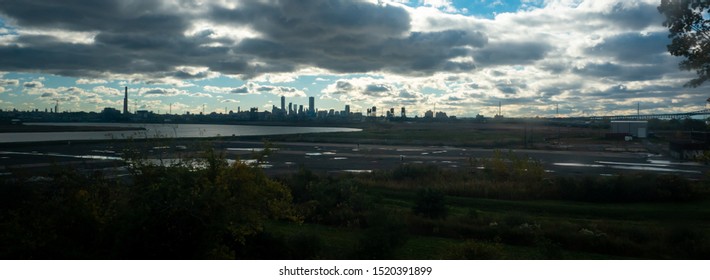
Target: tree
{"points": [[689, 26], [430, 203]]}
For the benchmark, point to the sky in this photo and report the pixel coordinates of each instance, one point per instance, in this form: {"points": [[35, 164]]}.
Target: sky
{"points": [[589, 57]]}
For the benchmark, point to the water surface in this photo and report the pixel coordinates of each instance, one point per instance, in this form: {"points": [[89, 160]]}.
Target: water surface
{"points": [[153, 131]]}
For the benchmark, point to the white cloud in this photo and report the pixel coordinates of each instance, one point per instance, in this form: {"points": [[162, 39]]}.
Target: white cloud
{"points": [[160, 92], [90, 81], [9, 82], [443, 5], [254, 88], [107, 91]]}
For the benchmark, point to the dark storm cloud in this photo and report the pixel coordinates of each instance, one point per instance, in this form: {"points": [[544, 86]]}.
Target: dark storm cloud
{"points": [[619, 72], [512, 53], [112, 16], [633, 47], [369, 38], [317, 20], [149, 37], [635, 17]]}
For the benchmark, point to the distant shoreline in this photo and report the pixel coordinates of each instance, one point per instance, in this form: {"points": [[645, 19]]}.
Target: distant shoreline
{"points": [[7, 128]]}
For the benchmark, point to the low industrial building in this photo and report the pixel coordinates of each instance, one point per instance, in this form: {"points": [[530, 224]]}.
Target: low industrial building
{"points": [[637, 129]]}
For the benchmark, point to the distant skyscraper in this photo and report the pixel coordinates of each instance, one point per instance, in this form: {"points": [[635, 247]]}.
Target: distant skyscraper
{"points": [[283, 104], [404, 112], [347, 110], [311, 105], [125, 102]]}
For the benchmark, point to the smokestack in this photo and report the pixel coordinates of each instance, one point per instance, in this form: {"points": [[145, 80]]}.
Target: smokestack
{"points": [[125, 102]]}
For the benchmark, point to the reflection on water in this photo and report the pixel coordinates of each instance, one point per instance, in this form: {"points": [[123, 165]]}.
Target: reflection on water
{"points": [[35, 153], [162, 131], [574, 164]]}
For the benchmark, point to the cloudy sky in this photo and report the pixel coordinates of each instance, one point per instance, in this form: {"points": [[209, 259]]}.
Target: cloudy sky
{"points": [[592, 57]]}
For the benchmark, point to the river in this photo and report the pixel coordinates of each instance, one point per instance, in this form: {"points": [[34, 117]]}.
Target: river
{"points": [[162, 131]]}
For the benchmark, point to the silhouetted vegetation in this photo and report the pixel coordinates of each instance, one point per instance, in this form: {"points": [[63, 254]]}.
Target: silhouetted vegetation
{"points": [[505, 207], [175, 212], [430, 203]]}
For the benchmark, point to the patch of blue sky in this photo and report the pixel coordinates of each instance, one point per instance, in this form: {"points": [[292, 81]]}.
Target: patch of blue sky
{"points": [[6, 29], [487, 8]]}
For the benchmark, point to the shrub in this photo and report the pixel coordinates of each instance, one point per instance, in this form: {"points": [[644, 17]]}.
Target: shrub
{"points": [[477, 250], [430, 203], [385, 233]]}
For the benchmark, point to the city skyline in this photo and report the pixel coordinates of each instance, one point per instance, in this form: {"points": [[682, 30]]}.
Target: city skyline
{"points": [[459, 57]]}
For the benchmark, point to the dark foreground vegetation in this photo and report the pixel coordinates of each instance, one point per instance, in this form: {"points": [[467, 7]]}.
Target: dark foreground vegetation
{"points": [[207, 209]]}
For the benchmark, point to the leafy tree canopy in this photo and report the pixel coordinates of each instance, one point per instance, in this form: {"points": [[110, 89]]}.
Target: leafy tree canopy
{"points": [[689, 24]]}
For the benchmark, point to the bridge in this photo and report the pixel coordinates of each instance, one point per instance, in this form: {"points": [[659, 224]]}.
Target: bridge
{"points": [[667, 116]]}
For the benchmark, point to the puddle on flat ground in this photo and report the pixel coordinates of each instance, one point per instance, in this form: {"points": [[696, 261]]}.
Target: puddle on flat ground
{"points": [[631, 163], [668, 162], [103, 151], [410, 150], [657, 169], [357, 170], [574, 164], [250, 149], [627, 166]]}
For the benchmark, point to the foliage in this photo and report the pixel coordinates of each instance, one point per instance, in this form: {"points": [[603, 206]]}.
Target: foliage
{"points": [[430, 203], [627, 188], [385, 233], [183, 211], [690, 30], [329, 201], [477, 250]]}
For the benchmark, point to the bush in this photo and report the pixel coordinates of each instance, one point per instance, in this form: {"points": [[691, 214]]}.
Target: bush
{"points": [[430, 203], [176, 212], [477, 250], [385, 233]]}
